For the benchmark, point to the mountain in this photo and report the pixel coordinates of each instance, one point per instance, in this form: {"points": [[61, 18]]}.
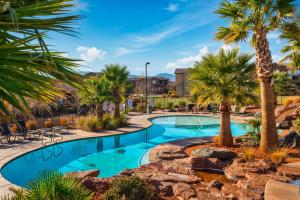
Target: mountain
{"points": [[171, 77]]}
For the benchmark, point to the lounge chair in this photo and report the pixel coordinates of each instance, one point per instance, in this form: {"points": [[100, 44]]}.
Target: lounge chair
{"points": [[5, 131], [4, 136], [22, 129]]}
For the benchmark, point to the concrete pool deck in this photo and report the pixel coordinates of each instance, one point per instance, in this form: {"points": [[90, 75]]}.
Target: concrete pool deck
{"points": [[136, 122]]}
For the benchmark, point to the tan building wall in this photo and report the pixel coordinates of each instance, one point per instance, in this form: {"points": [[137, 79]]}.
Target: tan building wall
{"points": [[181, 82]]}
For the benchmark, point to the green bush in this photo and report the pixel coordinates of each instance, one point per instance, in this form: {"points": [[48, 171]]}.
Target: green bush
{"points": [[170, 105], [254, 125], [89, 123], [182, 104], [296, 125], [159, 106], [114, 123], [53, 185], [129, 188]]}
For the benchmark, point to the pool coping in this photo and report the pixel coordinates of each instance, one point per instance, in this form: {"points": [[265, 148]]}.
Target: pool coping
{"points": [[143, 123]]}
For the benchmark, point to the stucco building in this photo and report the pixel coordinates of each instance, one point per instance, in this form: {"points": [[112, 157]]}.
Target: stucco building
{"points": [[181, 83]]}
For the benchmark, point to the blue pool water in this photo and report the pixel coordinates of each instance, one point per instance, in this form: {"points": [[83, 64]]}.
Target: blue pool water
{"points": [[111, 154]]}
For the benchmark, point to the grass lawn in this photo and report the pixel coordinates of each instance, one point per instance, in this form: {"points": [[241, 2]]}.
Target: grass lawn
{"points": [[165, 101]]}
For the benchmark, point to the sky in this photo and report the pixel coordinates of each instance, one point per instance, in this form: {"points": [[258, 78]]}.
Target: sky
{"points": [[167, 33]]}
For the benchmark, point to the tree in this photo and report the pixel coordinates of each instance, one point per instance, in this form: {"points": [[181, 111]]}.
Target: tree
{"points": [[96, 92], [225, 78], [282, 84], [255, 19], [291, 33], [29, 70], [118, 77]]}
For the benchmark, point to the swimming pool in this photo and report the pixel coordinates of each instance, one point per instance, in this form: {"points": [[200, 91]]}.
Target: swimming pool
{"points": [[111, 154]]}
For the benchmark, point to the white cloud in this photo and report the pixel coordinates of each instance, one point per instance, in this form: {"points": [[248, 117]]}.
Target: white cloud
{"points": [[227, 47], [90, 54], [182, 22], [172, 7], [124, 51], [155, 37], [188, 60]]}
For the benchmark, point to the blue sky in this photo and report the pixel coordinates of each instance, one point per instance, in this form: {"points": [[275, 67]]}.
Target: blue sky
{"points": [[167, 33]]}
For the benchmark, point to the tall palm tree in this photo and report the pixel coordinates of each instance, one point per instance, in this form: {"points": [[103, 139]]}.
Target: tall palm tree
{"points": [[96, 92], [225, 78], [255, 19], [118, 77], [29, 69]]}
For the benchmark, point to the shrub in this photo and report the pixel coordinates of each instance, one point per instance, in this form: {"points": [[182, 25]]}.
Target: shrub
{"points": [[159, 106], [288, 101], [215, 139], [30, 125], [170, 105], [248, 153], [182, 104], [89, 123], [130, 188], [296, 99], [106, 118], [296, 125], [279, 155], [53, 185], [48, 123], [254, 125], [63, 121]]}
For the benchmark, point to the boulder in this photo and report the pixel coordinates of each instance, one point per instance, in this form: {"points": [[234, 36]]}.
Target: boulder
{"points": [[166, 189], [181, 166], [212, 152], [257, 182], [184, 190], [291, 140], [200, 163], [99, 185], [239, 168], [274, 191], [174, 177], [232, 192], [166, 152], [215, 184], [289, 170], [83, 174]]}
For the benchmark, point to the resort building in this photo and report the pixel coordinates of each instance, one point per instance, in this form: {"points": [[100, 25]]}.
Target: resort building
{"points": [[181, 83], [156, 85]]}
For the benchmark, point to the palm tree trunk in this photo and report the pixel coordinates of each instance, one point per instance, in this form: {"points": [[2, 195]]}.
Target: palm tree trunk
{"points": [[99, 110], [225, 138], [117, 109], [269, 136]]}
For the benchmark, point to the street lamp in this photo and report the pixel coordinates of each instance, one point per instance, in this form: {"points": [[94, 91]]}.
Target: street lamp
{"points": [[146, 86]]}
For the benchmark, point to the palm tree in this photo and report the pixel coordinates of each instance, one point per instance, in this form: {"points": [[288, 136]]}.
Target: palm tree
{"points": [[225, 78], [291, 33], [53, 185], [255, 19], [29, 70], [118, 77], [96, 92]]}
